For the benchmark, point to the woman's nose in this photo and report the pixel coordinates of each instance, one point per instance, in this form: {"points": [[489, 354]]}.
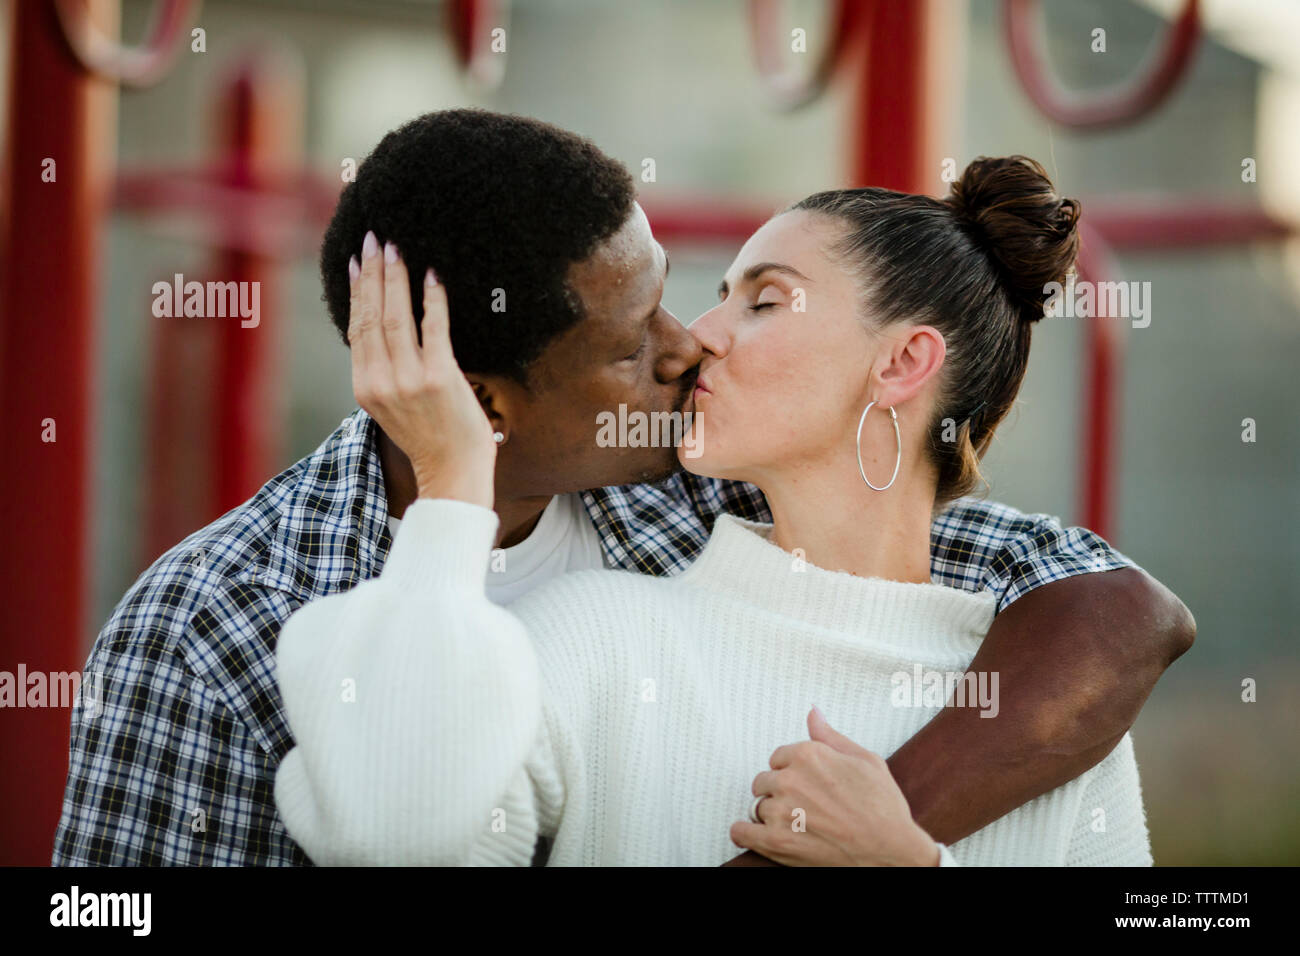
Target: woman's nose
{"points": [[709, 332]]}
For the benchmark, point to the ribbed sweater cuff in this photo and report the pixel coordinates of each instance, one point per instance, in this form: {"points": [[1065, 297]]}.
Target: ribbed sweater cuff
{"points": [[442, 544], [945, 857]]}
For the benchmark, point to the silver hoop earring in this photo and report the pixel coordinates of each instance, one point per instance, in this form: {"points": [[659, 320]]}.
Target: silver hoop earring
{"points": [[897, 437]]}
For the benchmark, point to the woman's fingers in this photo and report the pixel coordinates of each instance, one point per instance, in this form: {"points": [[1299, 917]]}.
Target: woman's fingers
{"points": [[765, 783], [435, 326], [365, 315], [356, 347], [418, 396], [784, 755], [749, 836], [399, 322]]}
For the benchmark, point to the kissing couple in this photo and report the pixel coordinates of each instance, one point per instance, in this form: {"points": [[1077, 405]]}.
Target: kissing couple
{"points": [[633, 718], [465, 631]]}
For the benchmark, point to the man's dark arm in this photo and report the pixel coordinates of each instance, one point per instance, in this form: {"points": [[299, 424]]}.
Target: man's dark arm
{"points": [[1076, 659]]}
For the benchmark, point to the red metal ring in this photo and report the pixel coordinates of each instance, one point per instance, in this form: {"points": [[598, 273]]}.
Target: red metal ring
{"points": [[1110, 107], [138, 66], [785, 89]]}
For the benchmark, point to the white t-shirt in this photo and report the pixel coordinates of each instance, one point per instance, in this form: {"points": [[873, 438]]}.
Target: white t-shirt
{"points": [[563, 540]]}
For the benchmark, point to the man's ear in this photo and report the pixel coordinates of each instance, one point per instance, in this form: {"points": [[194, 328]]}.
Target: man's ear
{"points": [[913, 359], [493, 398]]}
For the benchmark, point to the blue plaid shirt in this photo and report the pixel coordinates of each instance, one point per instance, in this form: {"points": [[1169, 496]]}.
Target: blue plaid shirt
{"points": [[176, 764]]}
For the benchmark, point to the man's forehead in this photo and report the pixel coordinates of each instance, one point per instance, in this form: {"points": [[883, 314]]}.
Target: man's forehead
{"points": [[629, 249], [623, 271]]}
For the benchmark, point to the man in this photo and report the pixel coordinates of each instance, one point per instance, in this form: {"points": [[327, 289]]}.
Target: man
{"points": [[554, 286]]}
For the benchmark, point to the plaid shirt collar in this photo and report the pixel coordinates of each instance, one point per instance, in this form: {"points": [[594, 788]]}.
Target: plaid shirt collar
{"points": [[333, 528], [661, 528]]}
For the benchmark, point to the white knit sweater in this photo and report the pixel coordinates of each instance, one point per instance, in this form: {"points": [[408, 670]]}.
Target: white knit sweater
{"points": [[623, 715]]}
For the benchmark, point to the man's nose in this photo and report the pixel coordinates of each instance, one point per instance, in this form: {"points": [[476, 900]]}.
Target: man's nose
{"points": [[682, 355]]}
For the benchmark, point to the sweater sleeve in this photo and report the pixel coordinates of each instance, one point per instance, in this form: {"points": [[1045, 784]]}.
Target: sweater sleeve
{"points": [[415, 704], [1111, 828]]}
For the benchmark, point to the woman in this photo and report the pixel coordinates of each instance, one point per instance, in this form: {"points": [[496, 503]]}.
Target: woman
{"points": [[865, 347]]}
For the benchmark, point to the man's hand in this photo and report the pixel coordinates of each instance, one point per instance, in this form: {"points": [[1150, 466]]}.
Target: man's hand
{"points": [[418, 396], [830, 802]]}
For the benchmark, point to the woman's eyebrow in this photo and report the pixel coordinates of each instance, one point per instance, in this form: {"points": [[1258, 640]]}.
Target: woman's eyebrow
{"points": [[756, 270]]}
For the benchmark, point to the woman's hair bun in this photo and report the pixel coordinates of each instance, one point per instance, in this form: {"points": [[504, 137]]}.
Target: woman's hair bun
{"points": [[1031, 233]]}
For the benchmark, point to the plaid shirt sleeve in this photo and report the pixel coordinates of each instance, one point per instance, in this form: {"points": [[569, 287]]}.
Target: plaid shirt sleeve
{"points": [[982, 545], [174, 768], [175, 764]]}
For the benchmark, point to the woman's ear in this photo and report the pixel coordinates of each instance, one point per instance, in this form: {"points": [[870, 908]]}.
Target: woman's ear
{"points": [[910, 361]]}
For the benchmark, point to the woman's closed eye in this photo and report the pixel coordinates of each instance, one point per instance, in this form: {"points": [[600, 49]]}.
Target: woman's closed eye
{"points": [[767, 303]]}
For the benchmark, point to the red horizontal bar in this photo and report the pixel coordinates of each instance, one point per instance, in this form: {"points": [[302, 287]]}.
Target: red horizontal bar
{"points": [[1134, 224], [307, 200], [1129, 223]]}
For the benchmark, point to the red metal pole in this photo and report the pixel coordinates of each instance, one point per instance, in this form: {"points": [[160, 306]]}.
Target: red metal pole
{"points": [[1099, 439], [49, 257], [254, 114], [216, 415], [890, 50]]}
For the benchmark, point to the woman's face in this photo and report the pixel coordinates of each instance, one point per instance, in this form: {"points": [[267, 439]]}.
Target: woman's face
{"points": [[787, 356]]}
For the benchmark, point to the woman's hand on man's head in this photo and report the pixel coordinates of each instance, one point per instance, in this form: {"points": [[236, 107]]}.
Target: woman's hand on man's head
{"points": [[829, 802], [417, 395]]}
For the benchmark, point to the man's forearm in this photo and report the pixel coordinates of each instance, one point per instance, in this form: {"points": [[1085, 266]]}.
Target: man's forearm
{"points": [[1076, 660]]}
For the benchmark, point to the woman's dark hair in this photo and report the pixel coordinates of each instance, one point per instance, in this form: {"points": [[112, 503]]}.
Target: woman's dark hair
{"points": [[500, 206], [973, 265]]}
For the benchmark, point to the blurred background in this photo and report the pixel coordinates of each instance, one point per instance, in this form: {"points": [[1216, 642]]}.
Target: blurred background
{"points": [[220, 158]]}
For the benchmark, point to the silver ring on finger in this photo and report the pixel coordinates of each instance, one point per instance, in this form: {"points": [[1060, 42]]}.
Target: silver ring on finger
{"points": [[753, 807]]}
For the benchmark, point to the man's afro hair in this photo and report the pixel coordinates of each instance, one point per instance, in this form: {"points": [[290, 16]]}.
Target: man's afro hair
{"points": [[492, 202]]}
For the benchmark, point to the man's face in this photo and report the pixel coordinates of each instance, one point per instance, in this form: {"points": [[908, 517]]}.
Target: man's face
{"points": [[627, 350]]}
